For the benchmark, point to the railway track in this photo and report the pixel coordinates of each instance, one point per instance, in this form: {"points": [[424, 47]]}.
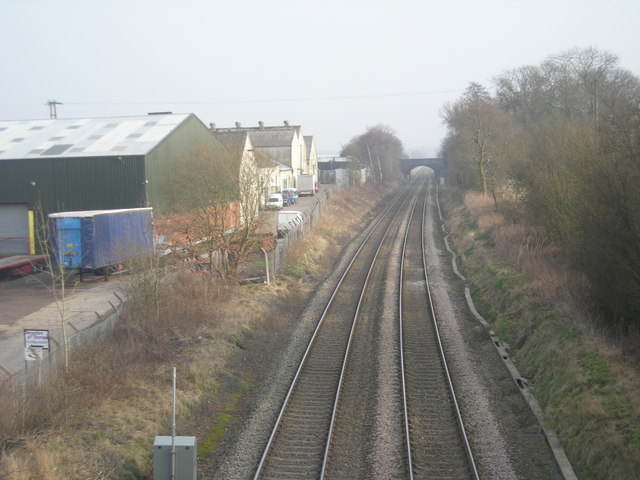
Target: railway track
{"points": [[298, 445], [328, 418], [436, 438]]}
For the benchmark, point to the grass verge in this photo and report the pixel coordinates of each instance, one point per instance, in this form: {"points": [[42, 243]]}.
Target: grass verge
{"points": [[587, 386]]}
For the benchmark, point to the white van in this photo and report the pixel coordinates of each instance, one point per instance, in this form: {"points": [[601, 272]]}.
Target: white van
{"points": [[275, 201], [288, 220]]}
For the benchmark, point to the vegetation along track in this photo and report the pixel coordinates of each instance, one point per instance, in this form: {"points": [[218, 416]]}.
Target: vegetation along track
{"points": [[438, 445], [345, 413]]}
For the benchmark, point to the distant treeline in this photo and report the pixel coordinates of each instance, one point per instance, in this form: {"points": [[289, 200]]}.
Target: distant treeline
{"points": [[558, 146]]}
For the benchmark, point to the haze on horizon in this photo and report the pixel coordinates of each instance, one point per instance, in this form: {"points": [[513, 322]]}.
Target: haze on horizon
{"points": [[333, 67]]}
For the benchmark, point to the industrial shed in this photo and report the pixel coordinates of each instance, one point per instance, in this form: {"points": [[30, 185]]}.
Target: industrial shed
{"points": [[88, 164]]}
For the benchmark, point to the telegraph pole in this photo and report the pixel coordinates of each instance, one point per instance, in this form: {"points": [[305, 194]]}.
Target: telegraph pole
{"points": [[52, 108]]}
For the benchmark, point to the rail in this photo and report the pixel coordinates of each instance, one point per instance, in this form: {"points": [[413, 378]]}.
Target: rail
{"points": [[425, 374], [315, 343]]}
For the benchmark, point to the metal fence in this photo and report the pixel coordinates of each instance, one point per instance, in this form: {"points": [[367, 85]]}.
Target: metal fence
{"points": [[81, 328], [293, 234], [87, 326]]}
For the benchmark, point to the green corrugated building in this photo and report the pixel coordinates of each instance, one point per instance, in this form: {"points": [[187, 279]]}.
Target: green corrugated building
{"points": [[89, 164]]}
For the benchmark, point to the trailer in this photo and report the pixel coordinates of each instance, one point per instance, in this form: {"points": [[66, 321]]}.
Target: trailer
{"points": [[18, 265], [100, 240]]}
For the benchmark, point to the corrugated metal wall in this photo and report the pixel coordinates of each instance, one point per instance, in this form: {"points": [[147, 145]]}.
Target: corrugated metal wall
{"points": [[191, 135], [65, 184]]}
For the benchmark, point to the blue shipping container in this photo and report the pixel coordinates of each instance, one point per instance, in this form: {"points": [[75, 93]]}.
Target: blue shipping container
{"points": [[100, 238]]}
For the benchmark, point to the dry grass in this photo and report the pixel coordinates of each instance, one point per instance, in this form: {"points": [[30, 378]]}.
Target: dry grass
{"points": [[116, 393], [526, 247], [589, 389], [99, 421], [344, 215]]}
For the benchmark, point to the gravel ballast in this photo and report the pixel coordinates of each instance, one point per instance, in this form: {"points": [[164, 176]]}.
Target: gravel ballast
{"points": [[507, 440]]}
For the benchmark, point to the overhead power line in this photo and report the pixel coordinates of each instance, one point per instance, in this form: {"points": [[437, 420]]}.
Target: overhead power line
{"points": [[275, 100]]}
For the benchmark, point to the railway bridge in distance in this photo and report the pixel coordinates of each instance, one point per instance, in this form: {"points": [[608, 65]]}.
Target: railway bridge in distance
{"points": [[436, 164]]}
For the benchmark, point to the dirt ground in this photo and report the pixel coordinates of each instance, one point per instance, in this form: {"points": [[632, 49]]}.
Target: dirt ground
{"points": [[21, 296]]}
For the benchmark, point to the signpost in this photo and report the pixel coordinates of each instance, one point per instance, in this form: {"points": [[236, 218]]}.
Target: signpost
{"points": [[35, 343]]}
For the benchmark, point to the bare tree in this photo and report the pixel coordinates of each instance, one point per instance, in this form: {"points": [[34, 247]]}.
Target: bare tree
{"points": [[215, 196], [581, 165], [576, 84], [480, 140], [525, 93], [380, 149], [57, 277]]}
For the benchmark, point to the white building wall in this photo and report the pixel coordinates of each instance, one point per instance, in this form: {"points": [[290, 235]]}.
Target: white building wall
{"points": [[297, 154], [312, 161]]}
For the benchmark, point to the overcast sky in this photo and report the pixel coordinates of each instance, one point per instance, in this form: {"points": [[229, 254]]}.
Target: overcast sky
{"points": [[334, 67]]}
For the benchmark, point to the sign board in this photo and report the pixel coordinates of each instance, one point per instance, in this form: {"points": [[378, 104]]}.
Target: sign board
{"points": [[35, 341], [33, 354], [36, 338]]}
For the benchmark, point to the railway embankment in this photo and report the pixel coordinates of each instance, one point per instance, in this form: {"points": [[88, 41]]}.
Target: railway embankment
{"points": [[583, 380], [100, 418]]}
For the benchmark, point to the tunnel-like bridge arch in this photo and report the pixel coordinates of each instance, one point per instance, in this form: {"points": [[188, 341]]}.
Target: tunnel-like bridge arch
{"points": [[408, 164]]}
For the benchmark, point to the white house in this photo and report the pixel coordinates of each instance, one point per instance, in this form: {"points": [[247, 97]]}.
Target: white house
{"points": [[284, 145], [311, 166]]}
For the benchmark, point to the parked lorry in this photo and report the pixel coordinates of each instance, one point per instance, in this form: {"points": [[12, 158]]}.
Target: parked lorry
{"points": [[307, 185], [99, 240]]}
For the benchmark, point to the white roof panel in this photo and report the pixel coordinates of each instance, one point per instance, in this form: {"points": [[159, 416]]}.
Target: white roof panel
{"points": [[86, 136], [93, 213], [155, 134]]}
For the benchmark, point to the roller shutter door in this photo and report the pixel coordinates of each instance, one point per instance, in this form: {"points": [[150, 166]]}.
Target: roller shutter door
{"points": [[14, 229]]}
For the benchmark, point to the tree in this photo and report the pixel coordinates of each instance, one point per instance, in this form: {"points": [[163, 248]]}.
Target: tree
{"points": [[525, 93], [57, 278], [580, 77], [610, 250], [378, 148], [550, 173], [576, 84], [216, 195], [581, 170], [479, 141]]}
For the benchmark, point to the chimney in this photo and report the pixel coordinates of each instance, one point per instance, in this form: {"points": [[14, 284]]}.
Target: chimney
{"points": [[212, 127], [261, 125], [238, 124], [286, 123]]}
